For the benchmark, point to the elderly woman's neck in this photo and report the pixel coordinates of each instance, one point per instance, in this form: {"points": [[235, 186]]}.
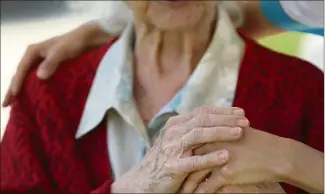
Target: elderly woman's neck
{"points": [[165, 51]]}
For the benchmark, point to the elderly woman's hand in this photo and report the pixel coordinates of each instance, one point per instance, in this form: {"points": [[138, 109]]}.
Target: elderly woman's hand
{"points": [[258, 157], [171, 159]]}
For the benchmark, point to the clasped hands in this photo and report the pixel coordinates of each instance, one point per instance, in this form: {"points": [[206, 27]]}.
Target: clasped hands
{"points": [[209, 150]]}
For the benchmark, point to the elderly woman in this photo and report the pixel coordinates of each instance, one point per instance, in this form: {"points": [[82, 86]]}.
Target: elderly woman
{"points": [[126, 120], [262, 18]]}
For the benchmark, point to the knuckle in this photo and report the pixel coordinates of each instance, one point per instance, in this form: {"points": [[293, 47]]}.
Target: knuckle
{"points": [[167, 136], [171, 168], [174, 132], [220, 110], [168, 131], [61, 51], [200, 120], [230, 119], [197, 133], [177, 170], [226, 110], [193, 162], [226, 171], [170, 121], [202, 109], [238, 111], [220, 131], [168, 148], [183, 142], [223, 110], [187, 140]]}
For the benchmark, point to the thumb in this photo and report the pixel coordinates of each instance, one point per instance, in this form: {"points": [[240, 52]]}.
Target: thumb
{"points": [[50, 64]]}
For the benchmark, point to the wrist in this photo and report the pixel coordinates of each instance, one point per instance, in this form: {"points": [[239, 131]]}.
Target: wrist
{"points": [[115, 188], [285, 167], [92, 35], [128, 182], [302, 167], [121, 186]]}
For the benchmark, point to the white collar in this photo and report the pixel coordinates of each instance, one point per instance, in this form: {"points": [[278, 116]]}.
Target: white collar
{"points": [[108, 75], [222, 58]]}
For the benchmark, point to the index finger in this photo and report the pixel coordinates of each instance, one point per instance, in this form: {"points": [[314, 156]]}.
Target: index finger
{"points": [[29, 59], [179, 119], [8, 97], [218, 110]]}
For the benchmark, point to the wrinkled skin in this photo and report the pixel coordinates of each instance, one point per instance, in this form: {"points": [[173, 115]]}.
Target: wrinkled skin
{"points": [[171, 159]]}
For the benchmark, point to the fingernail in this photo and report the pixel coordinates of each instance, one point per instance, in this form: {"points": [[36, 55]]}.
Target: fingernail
{"points": [[235, 131], [223, 155], [41, 73], [239, 112], [243, 122]]}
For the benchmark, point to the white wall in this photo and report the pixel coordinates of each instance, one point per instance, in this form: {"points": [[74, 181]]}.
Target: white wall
{"points": [[17, 35], [312, 50]]}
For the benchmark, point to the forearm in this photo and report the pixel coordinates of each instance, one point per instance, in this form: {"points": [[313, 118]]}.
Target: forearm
{"points": [[91, 34], [94, 34], [307, 167]]}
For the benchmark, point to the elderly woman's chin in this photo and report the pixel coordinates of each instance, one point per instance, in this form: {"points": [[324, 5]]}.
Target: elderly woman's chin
{"points": [[173, 14]]}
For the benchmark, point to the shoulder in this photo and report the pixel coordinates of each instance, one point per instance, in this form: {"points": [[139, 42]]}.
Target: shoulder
{"points": [[280, 66], [67, 88], [281, 78], [281, 93]]}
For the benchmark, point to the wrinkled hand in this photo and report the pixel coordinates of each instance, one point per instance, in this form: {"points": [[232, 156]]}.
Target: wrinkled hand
{"points": [[51, 52], [171, 159], [258, 157]]}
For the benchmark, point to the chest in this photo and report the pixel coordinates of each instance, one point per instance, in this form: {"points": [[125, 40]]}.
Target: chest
{"points": [[150, 99], [272, 109], [87, 160]]}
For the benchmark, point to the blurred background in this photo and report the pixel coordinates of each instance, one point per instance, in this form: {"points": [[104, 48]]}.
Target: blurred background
{"points": [[26, 22]]}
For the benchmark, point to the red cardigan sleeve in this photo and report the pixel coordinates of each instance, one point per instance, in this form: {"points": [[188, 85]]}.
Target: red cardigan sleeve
{"points": [[23, 169], [313, 113], [314, 109], [24, 166]]}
